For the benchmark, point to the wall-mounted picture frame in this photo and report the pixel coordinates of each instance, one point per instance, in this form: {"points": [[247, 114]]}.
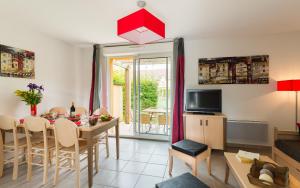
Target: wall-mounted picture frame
{"points": [[234, 70], [15, 62]]}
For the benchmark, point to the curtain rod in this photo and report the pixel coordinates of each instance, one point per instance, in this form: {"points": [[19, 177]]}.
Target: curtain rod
{"points": [[118, 45]]}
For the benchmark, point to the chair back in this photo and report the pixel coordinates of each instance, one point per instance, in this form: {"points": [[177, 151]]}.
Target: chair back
{"points": [[36, 125], [7, 122], [81, 111], [101, 111], [59, 110], [162, 119], [145, 118], [65, 132]]}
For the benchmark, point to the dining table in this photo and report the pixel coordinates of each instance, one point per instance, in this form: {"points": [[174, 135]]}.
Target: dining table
{"points": [[89, 132]]}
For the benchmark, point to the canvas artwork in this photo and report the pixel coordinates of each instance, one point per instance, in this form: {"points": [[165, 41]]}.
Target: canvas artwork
{"points": [[16, 62], [234, 70]]}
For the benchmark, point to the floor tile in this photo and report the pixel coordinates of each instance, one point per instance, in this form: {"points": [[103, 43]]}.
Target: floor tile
{"points": [[147, 181], [139, 157], [105, 177], [159, 159], [125, 180], [124, 155], [112, 164], [161, 151], [154, 170], [134, 167]]}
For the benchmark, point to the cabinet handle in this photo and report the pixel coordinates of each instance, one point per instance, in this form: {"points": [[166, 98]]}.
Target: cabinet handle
{"points": [[201, 122], [206, 122]]}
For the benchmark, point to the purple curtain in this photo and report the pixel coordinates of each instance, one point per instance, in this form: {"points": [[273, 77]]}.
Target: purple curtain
{"points": [[177, 129]]}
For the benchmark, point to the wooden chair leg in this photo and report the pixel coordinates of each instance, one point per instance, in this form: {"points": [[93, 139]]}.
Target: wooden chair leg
{"points": [[1, 163], [77, 164], [72, 160], [96, 157], [16, 164], [1, 158], [45, 164], [195, 167], [56, 167], [107, 145], [29, 165], [170, 162], [208, 160], [50, 157]]}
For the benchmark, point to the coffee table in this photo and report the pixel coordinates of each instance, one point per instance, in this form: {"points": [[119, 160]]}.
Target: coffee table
{"points": [[240, 170]]}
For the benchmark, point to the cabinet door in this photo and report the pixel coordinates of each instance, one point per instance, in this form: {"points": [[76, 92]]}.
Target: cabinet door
{"points": [[194, 128], [214, 132]]}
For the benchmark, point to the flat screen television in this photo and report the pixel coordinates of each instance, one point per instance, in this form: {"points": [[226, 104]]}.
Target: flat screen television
{"points": [[203, 101]]}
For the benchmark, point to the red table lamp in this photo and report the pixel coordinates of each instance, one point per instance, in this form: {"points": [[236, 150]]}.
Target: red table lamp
{"points": [[291, 85]]}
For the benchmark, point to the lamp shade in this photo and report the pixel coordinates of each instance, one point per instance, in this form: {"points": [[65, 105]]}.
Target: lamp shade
{"points": [[288, 85], [141, 27]]}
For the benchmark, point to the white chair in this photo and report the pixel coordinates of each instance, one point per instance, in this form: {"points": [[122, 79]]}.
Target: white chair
{"points": [[38, 146], [69, 147], [8, 123], [59, 110], [81, 111]]}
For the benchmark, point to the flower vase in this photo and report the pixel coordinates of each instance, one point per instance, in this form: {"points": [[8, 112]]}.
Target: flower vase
{"points": [[33, 110]]}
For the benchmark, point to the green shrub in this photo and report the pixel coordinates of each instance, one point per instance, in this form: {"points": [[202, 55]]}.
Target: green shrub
{"points": [[148, 93]]}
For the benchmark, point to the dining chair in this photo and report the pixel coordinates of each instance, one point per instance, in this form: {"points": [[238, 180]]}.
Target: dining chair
{"points": [[69, 147], [41, 145], [145, 119], [59, 110], [103, 138], [8, 124], [81, 110]]}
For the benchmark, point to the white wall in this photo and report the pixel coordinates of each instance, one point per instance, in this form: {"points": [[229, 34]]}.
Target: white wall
{"points": [[252, 102], [55, 66], [84, 72]]}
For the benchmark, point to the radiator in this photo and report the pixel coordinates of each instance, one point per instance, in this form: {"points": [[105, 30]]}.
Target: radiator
{"points": [[247, 132]]}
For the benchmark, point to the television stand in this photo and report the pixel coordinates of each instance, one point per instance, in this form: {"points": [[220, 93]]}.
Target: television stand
{"points": [[206, 129], [204, 113]]}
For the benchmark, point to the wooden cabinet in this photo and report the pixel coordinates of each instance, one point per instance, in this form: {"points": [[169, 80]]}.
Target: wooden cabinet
{"points": [[207, 129]]}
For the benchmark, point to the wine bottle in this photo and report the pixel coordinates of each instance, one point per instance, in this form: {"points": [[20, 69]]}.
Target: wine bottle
{"points": [[72, 110]]}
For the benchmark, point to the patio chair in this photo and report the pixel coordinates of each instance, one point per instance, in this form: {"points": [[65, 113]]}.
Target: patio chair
{"points": [[162, 120], [145, 119]]}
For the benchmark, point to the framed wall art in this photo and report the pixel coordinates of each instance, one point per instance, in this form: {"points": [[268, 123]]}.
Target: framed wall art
{"points": [[234, 70], [15, 62]]}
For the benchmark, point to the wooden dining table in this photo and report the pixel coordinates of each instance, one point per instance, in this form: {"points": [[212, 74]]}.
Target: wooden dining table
{"points": [[88, 133]]}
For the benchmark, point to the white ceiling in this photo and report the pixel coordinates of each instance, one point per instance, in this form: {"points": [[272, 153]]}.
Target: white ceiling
{"points": [[94, 21]]}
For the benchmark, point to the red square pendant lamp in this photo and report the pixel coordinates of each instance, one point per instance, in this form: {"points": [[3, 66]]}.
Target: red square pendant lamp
{"points": [[141, 27]]}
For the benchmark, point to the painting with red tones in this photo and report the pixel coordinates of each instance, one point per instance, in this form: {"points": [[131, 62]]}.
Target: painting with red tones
{"points": [[15, 62]]}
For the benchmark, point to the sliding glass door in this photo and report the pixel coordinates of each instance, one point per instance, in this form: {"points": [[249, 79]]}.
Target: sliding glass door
{"points": [[140, 95], [151, 90]]}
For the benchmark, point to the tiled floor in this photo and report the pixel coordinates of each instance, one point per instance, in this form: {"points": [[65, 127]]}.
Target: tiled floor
{"points": [[127, 129], [142, 164]]}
